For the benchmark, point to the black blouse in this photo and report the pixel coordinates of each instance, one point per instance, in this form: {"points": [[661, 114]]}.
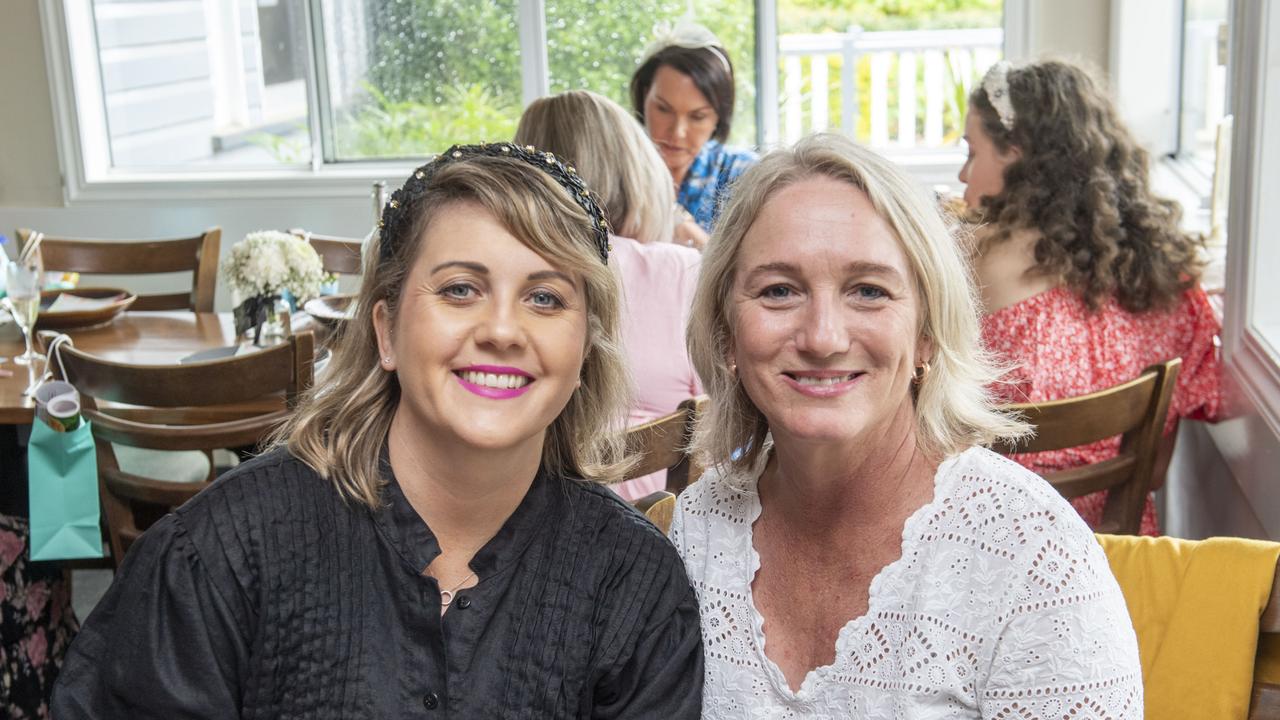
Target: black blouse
{"points": [[268, 596]]}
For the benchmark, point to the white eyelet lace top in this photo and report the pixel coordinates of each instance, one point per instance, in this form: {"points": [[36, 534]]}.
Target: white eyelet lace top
{"points": [[1001, 606]]}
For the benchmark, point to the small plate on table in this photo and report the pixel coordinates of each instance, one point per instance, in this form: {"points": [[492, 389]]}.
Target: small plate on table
{"points": [[331, 309], [82, 307]]}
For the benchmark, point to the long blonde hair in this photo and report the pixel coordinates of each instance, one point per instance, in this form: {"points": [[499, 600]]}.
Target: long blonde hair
{"points": [[613, 154], [954, 409], [340, 426]]}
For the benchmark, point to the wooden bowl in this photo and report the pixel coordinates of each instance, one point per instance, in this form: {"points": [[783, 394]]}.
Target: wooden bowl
{"points": [[69, 319]]}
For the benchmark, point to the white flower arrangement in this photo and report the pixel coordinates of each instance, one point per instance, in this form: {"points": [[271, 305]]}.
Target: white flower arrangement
{"points": [[268, 262]]}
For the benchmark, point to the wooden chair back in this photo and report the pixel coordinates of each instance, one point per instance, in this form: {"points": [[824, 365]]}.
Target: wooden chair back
{"points": [[132, 502], [1265, 703], [198, 255], [1136, 411], [659, 507], [338, 255], [663, 444]]}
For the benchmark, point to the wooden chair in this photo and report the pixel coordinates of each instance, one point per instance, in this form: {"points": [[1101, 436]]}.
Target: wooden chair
{"points": [[338, 255], [1135, 410], [659, 507], [198, 254], [132, 502], [663, 444], [1265, 704]]}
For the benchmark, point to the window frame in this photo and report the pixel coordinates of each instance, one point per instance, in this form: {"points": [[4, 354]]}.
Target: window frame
{"points": [[88, 178], [1252, 358]]}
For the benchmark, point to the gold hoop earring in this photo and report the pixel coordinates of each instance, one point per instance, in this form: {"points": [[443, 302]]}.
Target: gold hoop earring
{"points": [[922, 372]]}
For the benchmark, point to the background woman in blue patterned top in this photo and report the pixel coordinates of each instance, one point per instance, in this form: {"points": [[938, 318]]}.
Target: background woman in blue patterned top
{"points": [[683, 94]]}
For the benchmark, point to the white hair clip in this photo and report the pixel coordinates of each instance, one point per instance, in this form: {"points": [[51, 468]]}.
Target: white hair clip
{"points": [[996, 84], [686, 34]]}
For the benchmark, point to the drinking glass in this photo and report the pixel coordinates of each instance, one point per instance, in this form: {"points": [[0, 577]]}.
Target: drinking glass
{"points": [[22, 282]]}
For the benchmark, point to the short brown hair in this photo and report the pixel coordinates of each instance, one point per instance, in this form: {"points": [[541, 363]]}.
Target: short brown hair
{"points": [[709, 74]]}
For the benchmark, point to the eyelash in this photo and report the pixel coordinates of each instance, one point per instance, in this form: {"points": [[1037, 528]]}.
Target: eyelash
{"points": [[880, 292], [557, 303], [450, 291], [767, 293]]}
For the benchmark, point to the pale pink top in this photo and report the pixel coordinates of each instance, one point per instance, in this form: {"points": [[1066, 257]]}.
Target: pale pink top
{"points": [[658, 281]]}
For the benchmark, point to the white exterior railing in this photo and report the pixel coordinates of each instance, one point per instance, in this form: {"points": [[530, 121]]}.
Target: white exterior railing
{"points": [[968, 53]]}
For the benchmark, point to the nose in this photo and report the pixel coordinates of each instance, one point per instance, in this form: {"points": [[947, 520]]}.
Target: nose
{"points": [[823, 333], [499, 328], [964, 173], [682, 128]]}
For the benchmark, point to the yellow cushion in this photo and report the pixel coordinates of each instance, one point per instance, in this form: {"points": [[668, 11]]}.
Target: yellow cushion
{"points": [[1195, 608]]}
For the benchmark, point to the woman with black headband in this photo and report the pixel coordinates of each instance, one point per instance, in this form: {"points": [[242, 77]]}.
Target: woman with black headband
{"points": [[429, 534]]}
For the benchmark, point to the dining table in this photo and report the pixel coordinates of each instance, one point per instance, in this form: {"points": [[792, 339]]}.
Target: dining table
{"points": [[142, 338]]}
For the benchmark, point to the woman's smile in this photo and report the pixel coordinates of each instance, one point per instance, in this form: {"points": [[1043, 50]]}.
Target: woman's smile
{"points": [[494, 381]]}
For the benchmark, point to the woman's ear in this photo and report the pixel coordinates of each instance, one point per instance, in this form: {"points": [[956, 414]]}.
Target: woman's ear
{"points": [[924, 349], [383, 328]]}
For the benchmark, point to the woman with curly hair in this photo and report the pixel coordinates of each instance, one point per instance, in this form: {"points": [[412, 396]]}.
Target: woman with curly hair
{"points": [[1085, 275]]}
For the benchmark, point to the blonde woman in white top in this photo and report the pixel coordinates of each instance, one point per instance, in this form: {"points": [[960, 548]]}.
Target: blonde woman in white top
{"points": [[855, 551]]}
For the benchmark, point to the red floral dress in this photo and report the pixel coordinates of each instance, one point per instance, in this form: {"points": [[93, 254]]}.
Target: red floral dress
{"points": [[1060, 349]]}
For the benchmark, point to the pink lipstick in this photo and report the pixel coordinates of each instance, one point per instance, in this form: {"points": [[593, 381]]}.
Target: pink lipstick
{"points": [[496, 382]]}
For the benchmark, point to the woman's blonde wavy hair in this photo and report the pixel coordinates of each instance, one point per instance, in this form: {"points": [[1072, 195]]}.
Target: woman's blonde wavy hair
{"points": [[612, 153], [341, 425], [954, 409]]}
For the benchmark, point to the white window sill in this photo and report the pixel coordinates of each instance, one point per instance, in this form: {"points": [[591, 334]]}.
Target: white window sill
{"points": [[332, 181]]}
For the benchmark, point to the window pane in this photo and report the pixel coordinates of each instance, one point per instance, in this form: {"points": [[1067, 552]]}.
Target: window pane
{"points": [[191, 83], [410, 77], [596, 45], [1204, 79], [893, 74]]}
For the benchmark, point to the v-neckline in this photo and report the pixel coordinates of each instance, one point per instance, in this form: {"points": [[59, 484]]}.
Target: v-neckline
{"points": [[815, 675]]}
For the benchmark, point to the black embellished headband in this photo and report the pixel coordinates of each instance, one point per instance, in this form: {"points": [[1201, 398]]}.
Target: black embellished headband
{"points": [[396, 214]]}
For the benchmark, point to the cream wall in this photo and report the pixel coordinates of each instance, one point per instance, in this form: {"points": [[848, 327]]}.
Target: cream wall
{"points": [[1078, 30], [29, 171]]}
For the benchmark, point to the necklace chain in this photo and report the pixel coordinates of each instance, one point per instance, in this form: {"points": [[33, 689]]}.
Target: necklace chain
{"points": [[446, 596]]}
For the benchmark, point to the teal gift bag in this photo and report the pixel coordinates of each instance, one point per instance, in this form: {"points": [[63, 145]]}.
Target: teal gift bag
{"points": [[62, 474], [62, 478]]}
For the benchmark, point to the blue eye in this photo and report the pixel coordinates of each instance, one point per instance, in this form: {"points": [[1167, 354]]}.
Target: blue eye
{"points": [[546, 300], [776, 292], [869, 292], [458, 291]]}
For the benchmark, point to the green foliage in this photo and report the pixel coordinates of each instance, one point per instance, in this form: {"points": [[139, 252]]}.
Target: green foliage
{"points": [[812, 16], [446, 71], [405, 128], [291, 148]]}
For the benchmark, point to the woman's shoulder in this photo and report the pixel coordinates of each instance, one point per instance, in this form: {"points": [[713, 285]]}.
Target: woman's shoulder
{"points": [[595, 506], [995, 503], [259, 491], [722, 497], [729, 160]]}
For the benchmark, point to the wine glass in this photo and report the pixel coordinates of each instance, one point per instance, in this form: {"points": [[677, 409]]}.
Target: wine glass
{"points": [[22, 281]]}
